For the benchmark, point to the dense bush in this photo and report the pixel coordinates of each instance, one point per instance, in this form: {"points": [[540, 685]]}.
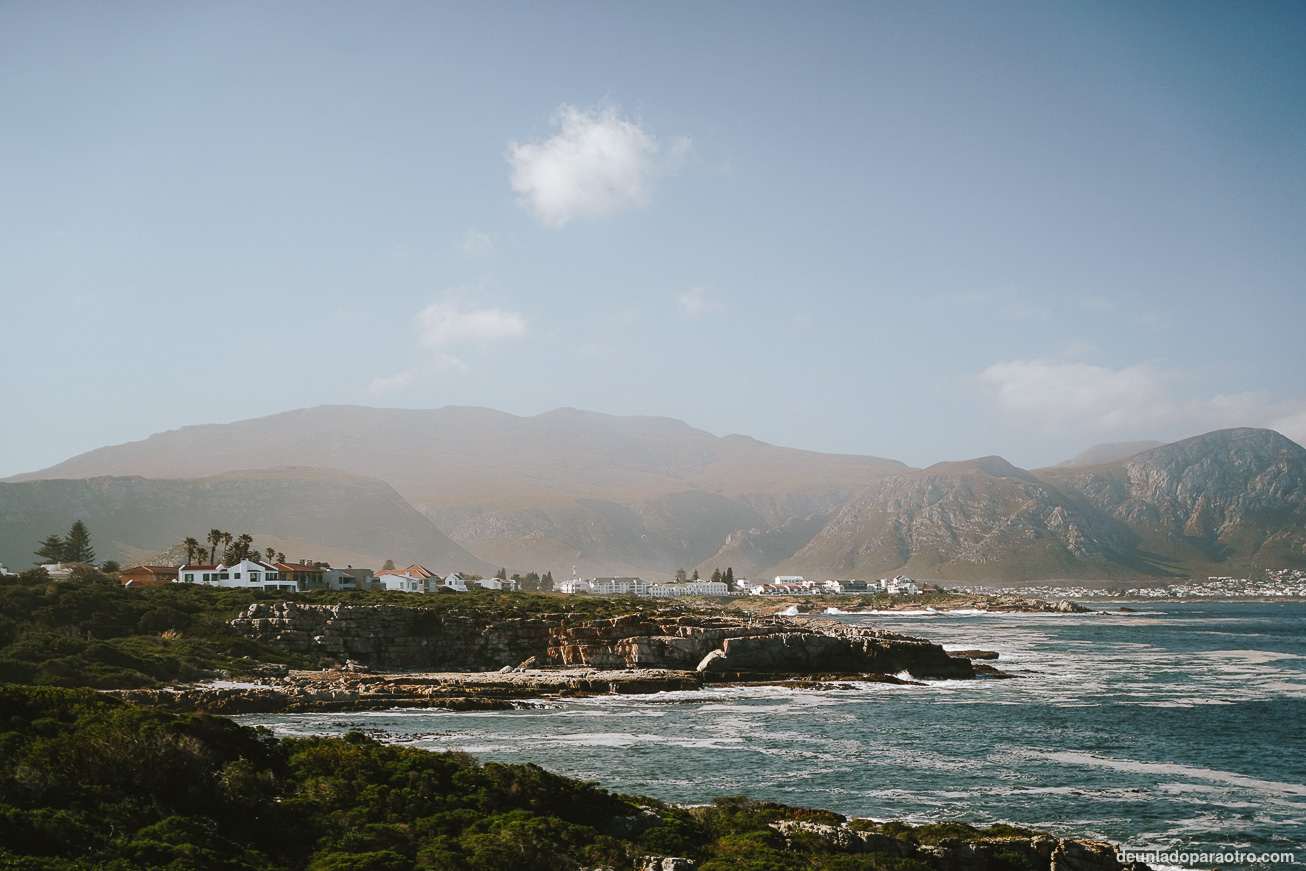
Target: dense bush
{"points": [[89, 782], [90, 631]]}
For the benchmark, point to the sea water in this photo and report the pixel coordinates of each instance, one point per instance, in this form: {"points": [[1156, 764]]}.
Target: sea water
{"points": [[1180, 727]]}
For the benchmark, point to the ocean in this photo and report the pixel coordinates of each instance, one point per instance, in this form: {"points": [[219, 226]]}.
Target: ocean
{"points": [[1180, 728]]}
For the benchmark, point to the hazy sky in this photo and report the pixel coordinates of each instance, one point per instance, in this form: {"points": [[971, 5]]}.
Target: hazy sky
{"points": [[924, 231]]}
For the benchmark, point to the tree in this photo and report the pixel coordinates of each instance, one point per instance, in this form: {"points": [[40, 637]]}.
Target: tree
{"points": [[389, 566], [502, 574], [729, 577], [240, 550], [546, 582], [214, 539], [695, 577], [270, 553], [77, 544], [51, 550], [193, 548], [680, 575], [716, 576], [110, 566]]}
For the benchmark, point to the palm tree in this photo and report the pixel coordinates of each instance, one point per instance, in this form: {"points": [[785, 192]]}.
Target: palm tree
{"points": [[243, 544], [269, 553], [215, 539], [192, 548]]}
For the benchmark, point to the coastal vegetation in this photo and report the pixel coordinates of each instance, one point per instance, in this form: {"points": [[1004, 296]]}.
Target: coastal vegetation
{"points": [[90, 783], [89, 631]]}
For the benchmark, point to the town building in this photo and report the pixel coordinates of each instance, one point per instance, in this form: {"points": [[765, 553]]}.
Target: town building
{"points": [[147, 576]]}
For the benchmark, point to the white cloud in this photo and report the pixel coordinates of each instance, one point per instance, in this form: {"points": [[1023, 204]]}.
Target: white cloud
{"points": [[446, 323], [597, 164], [391, 383], [475, 244], [1140, 399], [695, 302], [446, 326]]}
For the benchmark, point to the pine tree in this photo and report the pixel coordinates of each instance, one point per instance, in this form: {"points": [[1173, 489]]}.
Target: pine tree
{"points": [[52, 550], [77, 544], [716, 576], [729, 578], [546, 582]]}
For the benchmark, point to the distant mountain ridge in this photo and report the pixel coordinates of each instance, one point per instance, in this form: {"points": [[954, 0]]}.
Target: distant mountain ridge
{"points": [[1109, 453], [574, 490]]}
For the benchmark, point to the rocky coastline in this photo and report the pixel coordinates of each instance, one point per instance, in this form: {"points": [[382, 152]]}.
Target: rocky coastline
{"points": [[387, 656]]}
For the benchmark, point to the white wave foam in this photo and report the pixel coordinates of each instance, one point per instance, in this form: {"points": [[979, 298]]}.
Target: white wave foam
{"points": [[1169, 768]]}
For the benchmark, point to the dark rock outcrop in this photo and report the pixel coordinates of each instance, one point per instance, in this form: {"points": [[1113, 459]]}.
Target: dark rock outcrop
{"points": [[415, 639]]}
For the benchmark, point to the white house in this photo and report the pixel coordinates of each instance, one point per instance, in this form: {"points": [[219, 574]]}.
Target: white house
{"points": [[575, 585], [247, 574], [780, 590], [402, 582], [901, 584], [619, 587], [454, 582]]}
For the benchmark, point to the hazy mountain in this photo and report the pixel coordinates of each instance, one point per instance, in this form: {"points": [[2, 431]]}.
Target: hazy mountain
{"points": [[1109, 453], [605, 494], [343, 519], [638, 495]]}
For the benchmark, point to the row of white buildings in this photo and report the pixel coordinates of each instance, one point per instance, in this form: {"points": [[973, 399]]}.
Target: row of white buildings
{"points": [[783, 585], [288, 577], [797, 585], [638, 587]]}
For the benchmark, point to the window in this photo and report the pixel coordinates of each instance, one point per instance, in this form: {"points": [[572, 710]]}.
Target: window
{"points": [[190, 578], [224, 576], [237, 576], [253, 577]]}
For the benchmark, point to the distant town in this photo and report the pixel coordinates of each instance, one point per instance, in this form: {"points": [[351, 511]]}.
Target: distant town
{"points": [[305, 576], [243, 566], [1277, 583]]}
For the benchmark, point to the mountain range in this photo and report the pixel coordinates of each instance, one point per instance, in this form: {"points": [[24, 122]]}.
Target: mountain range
{"points": [[474, 489]]}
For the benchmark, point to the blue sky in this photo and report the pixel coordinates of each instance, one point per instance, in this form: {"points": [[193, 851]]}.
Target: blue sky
{"points": [[925, 231]]}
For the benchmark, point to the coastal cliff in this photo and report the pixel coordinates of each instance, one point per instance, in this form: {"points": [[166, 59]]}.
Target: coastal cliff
{"points": [[464, 661], [395, 638]]}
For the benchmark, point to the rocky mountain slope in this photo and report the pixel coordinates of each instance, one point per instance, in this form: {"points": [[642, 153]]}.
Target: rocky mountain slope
{"points": [[1232, 496], [332, 516], [1227, 501], [966, 520]]}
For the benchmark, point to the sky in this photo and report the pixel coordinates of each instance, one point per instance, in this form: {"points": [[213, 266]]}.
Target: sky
{"points": [[921, 231]]}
